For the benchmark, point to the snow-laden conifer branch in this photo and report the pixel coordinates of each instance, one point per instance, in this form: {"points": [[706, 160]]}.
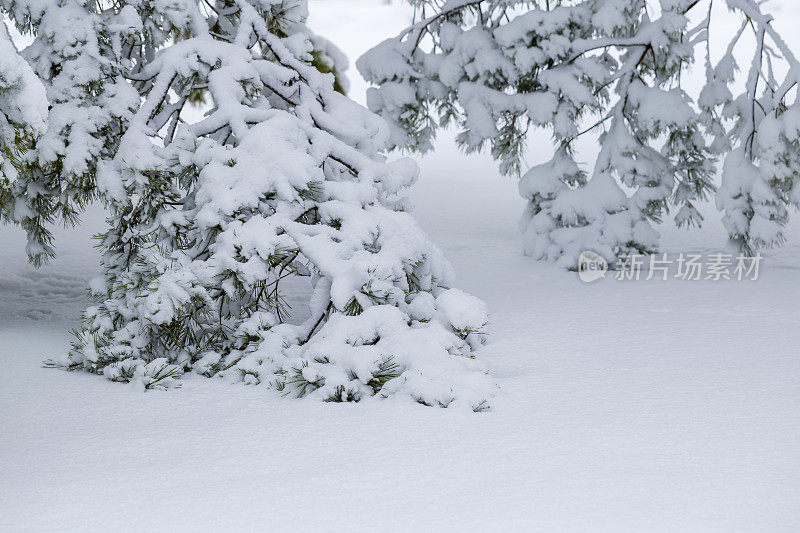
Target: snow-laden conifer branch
{"points": [[760, 171], [74, 55], [495, 70], [23, 117]]}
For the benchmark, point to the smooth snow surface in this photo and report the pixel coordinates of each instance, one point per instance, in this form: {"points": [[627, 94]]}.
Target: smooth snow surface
{"points": [[625, 406]]}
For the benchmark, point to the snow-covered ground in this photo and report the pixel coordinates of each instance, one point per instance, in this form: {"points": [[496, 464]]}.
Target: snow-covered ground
{"points": [[625, 406]]}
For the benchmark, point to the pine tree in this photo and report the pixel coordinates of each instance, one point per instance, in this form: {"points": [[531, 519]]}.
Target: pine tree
{"points": [[280, 193], [495, 69]]}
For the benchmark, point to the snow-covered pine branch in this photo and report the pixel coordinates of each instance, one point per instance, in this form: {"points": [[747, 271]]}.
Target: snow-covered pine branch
{"points": [[82, 54], [76, 55], [495, 69], [23, 117], [761, 169], [283, 180]]}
